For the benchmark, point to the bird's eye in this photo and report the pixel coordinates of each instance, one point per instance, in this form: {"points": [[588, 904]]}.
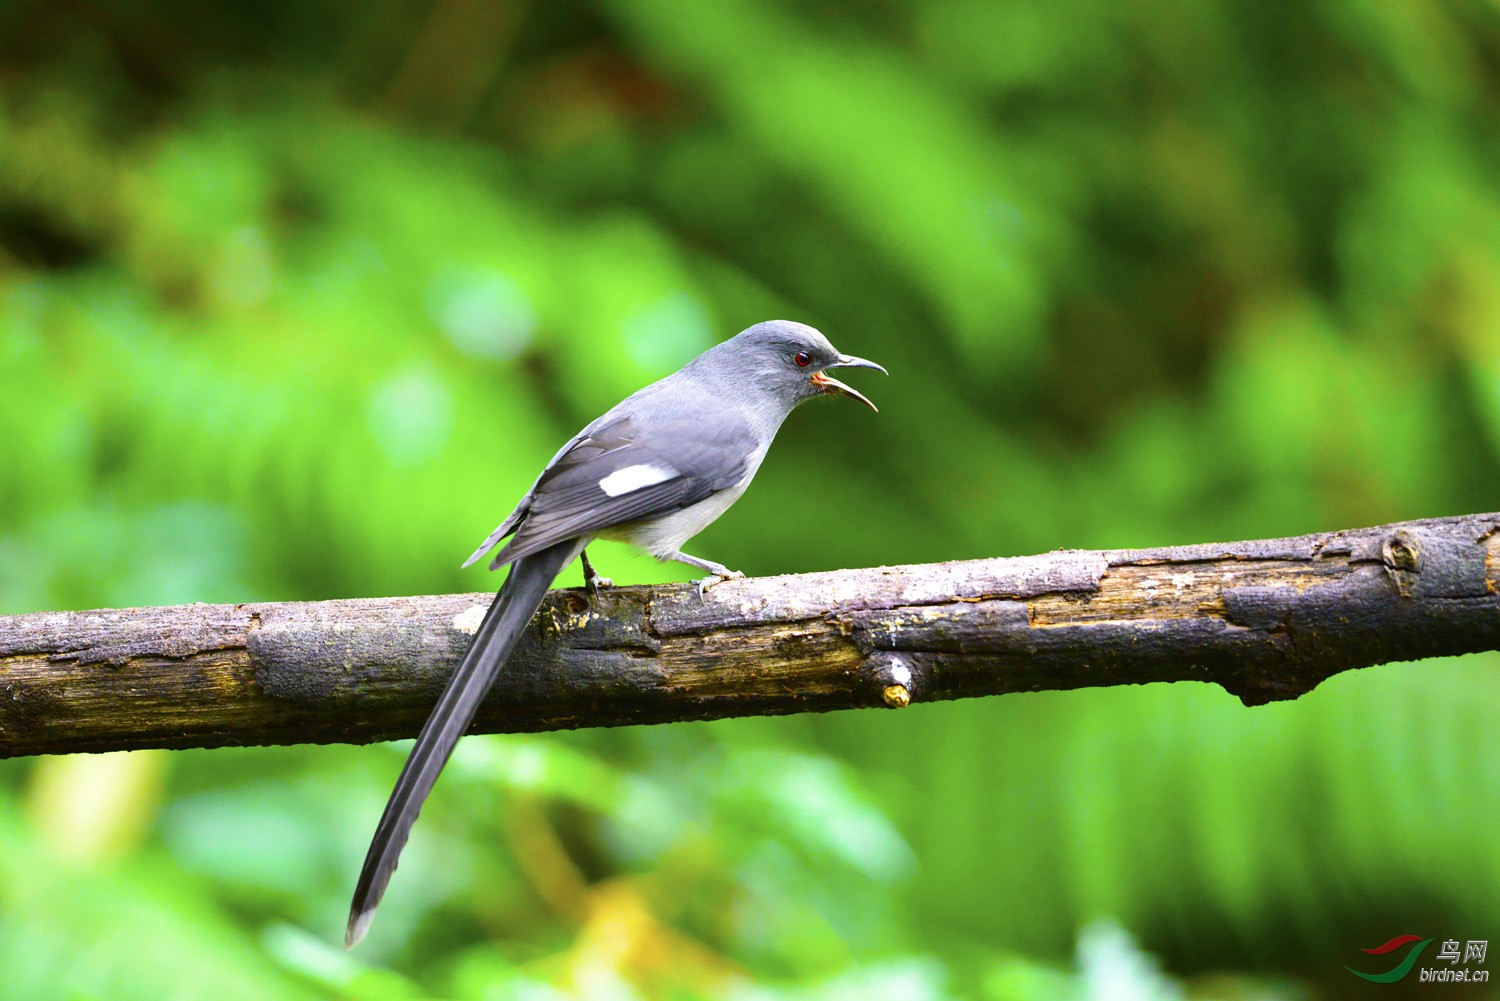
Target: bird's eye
{"points": [[802, 358]]}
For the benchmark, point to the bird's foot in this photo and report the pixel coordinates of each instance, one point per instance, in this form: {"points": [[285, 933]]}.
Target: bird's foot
{"points": [[594, 584], [720, 575]]}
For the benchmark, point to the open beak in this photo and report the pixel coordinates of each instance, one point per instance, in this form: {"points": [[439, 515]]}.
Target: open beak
{"points": [[828, 384]]}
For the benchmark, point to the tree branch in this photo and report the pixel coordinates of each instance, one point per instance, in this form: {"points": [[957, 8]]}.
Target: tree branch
{"points": [[1266, 620]]}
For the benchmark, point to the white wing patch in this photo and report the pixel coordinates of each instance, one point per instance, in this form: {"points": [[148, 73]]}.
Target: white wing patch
{"points": [[631, 478]]}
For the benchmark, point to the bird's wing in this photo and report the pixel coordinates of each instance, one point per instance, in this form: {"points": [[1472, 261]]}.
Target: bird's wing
{"points": [[627, 469], [514, 518], [505, 528]]}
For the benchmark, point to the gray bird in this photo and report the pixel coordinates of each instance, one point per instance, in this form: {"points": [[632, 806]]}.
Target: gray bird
{"points": [[654, 471]]}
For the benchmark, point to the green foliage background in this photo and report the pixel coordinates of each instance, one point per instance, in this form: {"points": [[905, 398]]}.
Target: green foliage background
{"points": [[296, 298]]}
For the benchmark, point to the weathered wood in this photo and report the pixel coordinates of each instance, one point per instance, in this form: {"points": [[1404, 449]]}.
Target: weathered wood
{"points": [[1266, 620]]}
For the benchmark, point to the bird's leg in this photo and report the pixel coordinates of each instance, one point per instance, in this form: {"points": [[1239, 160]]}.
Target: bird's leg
{"points": [[720, 571], [591, 579]]}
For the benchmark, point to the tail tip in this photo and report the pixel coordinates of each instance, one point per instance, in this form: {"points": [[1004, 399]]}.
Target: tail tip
{"points": [[359, 924]]}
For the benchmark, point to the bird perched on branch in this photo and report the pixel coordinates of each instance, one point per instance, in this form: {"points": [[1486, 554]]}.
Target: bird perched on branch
{"points": [[654, 471]]}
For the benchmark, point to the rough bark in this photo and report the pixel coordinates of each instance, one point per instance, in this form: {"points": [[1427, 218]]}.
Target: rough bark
{"points": [[1266, 620]]}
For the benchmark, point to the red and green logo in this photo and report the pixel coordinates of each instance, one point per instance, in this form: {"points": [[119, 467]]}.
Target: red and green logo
{"points": [[1402, 968]]}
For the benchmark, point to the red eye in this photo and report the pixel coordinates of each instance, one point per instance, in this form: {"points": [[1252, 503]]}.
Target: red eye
{"points": [[802, 358]]}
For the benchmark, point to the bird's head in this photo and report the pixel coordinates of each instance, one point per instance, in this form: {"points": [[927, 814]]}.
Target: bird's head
{"points": [[791, 360]]}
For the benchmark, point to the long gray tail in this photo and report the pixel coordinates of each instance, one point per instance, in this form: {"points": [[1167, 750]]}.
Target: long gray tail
{"points": [[519, 597]]}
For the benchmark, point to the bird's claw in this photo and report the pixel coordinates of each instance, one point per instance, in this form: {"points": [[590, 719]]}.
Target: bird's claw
{"points": [[718, 577], [592, 582]]}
